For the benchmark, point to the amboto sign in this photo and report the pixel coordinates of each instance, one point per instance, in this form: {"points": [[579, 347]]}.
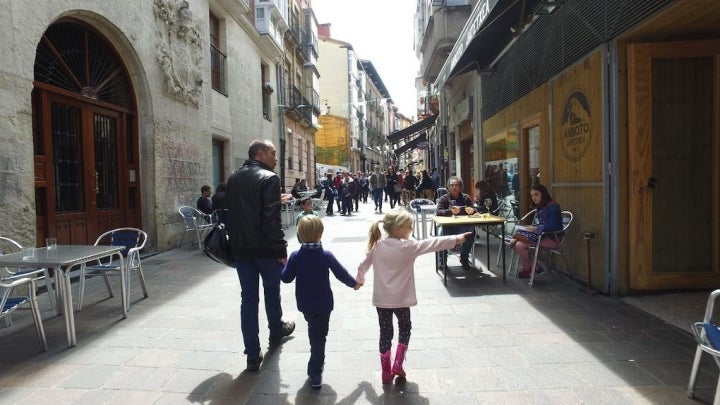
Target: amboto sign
{"points": [[575, 125]]}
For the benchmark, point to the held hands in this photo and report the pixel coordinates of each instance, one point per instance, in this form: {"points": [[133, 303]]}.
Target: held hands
{"points": [[358, 285]]}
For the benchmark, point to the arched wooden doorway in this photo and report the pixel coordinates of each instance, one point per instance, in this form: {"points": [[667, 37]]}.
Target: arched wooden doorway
{"points": [[85, 136]]}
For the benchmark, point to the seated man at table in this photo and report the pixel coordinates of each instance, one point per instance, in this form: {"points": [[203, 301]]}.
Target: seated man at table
{"points": [[462, 204]]}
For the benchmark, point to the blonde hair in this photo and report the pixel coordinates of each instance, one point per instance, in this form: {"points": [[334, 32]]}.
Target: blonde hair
{"points": [[310, 229], [391, 222]]}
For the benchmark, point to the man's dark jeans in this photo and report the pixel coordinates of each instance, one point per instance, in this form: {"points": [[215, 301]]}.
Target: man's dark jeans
{"points": [[249, 271]]}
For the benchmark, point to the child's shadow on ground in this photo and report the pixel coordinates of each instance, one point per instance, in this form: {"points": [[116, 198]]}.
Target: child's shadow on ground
{"points": [[401, 392]]}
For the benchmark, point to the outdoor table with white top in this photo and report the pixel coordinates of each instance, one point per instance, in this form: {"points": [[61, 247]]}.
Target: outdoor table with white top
{"points": [[485, 220], [62, 258]]}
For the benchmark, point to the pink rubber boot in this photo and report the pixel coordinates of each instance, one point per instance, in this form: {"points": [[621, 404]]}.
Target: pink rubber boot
{"points": [[387, 376], [397, 367]]}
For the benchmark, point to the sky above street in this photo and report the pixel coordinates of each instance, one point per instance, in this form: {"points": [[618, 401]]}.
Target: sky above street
{"points": [[380, 31]]}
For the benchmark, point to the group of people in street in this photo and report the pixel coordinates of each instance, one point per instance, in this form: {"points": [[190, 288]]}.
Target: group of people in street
{"points": [[253, 199], [347, 189]]}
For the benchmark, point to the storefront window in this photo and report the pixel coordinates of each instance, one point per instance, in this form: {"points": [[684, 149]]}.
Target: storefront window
{"points": [[501, 160]]}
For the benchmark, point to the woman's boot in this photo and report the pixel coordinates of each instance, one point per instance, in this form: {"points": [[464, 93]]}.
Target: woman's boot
{"points": [[387, 376], [397, 367]]}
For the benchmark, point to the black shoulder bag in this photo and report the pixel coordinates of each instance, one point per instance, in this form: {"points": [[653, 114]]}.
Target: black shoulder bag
{"points": [[217, 245]]}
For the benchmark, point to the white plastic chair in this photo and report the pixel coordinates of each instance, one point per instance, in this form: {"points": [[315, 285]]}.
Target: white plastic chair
{"points": [[195, 221], [9, 303], [133, 240], [7, 246], [559, 237], [707, 337]]}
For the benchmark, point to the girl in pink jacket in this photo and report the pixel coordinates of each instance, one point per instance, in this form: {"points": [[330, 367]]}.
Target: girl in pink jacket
{"points": [[394, 282]]}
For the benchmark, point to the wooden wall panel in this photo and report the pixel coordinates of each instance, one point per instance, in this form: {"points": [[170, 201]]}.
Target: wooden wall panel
{"points": [[582, 202], [577, 123]]}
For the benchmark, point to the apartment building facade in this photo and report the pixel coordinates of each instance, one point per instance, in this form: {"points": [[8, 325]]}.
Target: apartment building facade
{"points": [[116, 113]]}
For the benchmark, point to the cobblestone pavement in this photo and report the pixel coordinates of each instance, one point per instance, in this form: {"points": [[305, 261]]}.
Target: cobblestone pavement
{"points": [[475, 341]]}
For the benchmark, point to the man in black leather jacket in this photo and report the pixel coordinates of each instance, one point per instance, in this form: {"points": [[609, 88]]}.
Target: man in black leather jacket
{"points": [[258, 245]]}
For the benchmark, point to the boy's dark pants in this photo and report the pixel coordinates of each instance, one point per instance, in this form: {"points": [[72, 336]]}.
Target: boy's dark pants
{"points": [[317, 332]]}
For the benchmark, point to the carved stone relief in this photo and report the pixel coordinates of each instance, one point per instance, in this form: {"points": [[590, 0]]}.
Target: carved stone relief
{"points": [[179, 50]]}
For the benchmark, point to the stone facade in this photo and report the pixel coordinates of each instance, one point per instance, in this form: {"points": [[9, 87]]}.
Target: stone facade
{"points": [[164, 45]]}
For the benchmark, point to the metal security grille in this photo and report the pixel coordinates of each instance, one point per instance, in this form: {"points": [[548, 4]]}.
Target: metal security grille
{"points": [[75, 58], [554, 43]]}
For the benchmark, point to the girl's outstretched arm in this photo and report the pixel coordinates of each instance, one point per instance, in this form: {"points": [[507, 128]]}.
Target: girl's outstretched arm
{"points": [[439, 243]]}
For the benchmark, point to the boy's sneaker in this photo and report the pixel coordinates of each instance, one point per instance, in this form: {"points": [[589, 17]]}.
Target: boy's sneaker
{"points": [[286, 329], [254, 363]]}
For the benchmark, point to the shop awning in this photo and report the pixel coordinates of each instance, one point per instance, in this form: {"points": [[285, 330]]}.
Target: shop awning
{"points": [[395, 137], [492, 26], [411, 145]]}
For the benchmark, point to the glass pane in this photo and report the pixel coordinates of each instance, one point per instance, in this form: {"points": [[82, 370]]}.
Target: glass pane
{"points": [[106, 162], [501, 160], [534, 155], [67, 159]]}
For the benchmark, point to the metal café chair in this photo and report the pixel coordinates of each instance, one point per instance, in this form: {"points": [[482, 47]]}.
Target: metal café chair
{"points": [[7, 246], [418, 207], [707, 337], [287, 210], [9, 303], [319, 203], [558, 237], [195, 221], [133, 240], [527, 219]]}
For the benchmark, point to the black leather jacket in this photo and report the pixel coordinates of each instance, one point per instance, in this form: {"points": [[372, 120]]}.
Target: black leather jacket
{"points": [[253, 202]]}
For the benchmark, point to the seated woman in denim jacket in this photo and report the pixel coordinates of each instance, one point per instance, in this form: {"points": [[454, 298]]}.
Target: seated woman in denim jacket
{"points": [[548, 218]]}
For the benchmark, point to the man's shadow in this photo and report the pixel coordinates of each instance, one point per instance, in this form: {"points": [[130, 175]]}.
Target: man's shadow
{"points": [[224, 389]]}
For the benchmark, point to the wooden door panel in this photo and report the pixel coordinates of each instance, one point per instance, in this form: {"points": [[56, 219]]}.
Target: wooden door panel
{"points": [[664, 105]]}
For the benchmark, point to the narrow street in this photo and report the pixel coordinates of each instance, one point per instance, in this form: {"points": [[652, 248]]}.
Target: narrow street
{"points": [[475, 341]]}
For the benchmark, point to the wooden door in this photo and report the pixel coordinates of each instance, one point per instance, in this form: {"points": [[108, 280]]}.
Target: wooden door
{"points": [[84, 136], [673, 152]]}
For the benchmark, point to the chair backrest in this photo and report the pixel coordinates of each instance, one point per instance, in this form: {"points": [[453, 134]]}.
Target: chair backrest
{"points": [[190, 216], [441, 191], [567, 218], [8, 245], [416, 203], [132, 239]]}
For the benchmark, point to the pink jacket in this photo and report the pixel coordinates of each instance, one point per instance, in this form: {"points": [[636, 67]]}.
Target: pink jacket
{"points": [[393, 260]]}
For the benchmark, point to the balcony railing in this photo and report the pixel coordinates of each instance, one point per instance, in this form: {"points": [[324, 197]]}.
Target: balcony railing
{"points": [[218, 70], [310, 44], [299, 104]]}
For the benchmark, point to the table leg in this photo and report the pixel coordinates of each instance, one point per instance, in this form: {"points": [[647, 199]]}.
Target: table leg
{"points": [[67, 305], [503, 250], [424, 225], [123, 286], [487, 244]]}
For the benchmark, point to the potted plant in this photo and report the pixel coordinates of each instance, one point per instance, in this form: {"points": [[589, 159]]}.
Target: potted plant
{"points": [[268, 89]]}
